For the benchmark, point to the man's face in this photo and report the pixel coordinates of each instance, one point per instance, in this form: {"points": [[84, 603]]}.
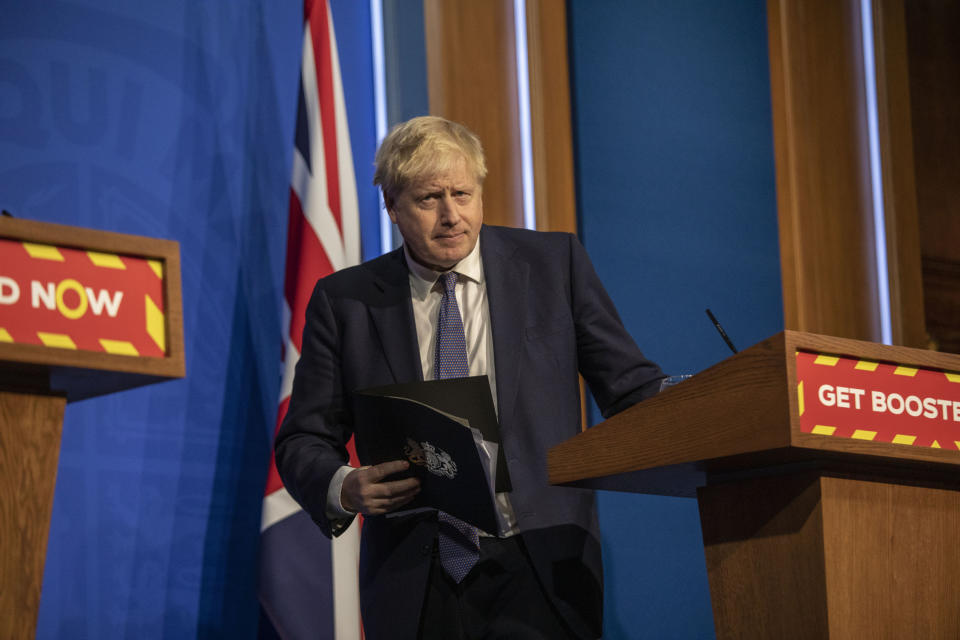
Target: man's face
{"points": [[439, 217]]}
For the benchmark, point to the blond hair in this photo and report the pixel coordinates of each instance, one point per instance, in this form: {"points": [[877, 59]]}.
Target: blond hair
{"points": [[423, 147]]}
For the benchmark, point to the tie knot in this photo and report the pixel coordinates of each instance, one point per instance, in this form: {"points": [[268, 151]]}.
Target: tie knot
{"points": [[449, 280]]}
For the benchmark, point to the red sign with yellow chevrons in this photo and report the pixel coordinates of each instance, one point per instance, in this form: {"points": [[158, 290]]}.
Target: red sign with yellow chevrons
{"points": [[74, 299], [876, 401]]}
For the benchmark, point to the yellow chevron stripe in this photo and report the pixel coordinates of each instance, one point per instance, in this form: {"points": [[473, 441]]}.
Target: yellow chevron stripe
{"points": [[903, 439], [823, 430], [108, 260], [119, 347], [58, 340], [827, 361], [43, 251], [155, 324], [952, 377], [905, 371], [5, 335], [863, 434], [800, 396], [957, 442], [935, 445], [157, 267], [866, 365]]}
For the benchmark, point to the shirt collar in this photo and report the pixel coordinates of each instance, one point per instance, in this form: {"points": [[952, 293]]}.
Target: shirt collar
{"points": [[422, 279]]}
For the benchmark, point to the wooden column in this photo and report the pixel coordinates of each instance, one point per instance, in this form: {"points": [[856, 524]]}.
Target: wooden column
{"points": [[899, 184], [550, 116], [471, 63], [30, 427], [471, 71], [823, 178], [933, 54]]}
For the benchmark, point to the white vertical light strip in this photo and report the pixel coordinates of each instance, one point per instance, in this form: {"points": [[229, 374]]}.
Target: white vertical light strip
{"points": [[876, 177], [523, 97], [380, 107]]}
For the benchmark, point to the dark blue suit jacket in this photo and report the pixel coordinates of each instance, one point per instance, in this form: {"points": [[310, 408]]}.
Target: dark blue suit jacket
{"points": [[550, 318]]}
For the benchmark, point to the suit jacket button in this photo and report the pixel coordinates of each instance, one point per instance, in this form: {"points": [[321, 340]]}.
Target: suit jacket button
{"points": [[425, 549]]}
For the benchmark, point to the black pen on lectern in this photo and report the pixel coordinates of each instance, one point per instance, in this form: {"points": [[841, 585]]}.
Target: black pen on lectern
{"points": [[723, 334]]}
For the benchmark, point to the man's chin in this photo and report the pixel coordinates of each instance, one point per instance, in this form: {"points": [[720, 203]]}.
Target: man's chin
{"points": [[438, 261], [445, 262], [447, 256]]}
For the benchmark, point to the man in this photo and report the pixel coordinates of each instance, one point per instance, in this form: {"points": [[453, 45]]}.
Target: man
{"points": [[533, 313]]}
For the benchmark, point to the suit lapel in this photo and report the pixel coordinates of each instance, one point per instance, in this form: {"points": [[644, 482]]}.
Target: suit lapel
{"points": [[507, 280], [393, 317]]}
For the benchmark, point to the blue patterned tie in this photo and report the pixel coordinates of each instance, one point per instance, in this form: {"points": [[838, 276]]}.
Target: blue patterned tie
{"points": [[459, 542]]}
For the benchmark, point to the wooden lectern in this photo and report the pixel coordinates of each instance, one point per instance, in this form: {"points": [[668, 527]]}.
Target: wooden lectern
{"points": [[827, 473], [82, 313]]}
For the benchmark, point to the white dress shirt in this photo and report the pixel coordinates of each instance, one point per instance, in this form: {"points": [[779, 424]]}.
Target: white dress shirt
{"points": [[426, 295]]}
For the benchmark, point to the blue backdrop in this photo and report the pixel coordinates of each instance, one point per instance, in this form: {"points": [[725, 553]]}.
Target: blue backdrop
{"points": [[175, 120], [677, 208]]}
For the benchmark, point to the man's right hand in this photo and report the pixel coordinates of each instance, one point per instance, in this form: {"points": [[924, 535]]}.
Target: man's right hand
{"points": [[365, 491]]}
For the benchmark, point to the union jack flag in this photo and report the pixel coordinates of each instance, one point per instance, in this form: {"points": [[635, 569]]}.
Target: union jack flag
{"points": [[308, 584]]}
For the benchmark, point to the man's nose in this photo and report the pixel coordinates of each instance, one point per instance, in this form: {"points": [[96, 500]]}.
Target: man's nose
{"points": [[449, 212]]}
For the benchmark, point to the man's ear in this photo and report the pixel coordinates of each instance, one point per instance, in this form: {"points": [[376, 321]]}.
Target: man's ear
{"points": [[388, 204]]}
